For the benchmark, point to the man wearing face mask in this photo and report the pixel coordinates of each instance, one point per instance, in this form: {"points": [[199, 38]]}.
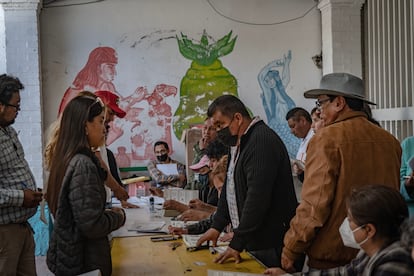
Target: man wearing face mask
{"points": [[258, 197], [155, 168]]}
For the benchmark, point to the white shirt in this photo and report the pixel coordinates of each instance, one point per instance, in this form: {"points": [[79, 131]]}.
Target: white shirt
{"points": [[301, 155]]}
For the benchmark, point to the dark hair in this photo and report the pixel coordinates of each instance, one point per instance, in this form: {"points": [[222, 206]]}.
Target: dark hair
{"points": [[389, 212], [158, 143], [8, 86], [354, 104], [216, 149], [228, 105], [297, 112], [367, 109], [314, 110], [72, 139]]}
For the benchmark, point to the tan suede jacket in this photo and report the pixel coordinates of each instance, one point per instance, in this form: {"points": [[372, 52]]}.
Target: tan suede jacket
{"points": [[349, 153]]}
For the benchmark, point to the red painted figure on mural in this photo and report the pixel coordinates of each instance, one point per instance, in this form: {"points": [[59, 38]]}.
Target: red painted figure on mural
{"points": [[148, 117], [97, 74]]}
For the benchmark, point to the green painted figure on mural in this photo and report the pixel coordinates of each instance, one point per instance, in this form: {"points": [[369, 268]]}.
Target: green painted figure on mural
{"points": [[204, 81]]}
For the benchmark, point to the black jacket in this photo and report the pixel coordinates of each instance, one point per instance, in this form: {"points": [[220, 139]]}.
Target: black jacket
{"points": [[79, 241], [266, 199]]}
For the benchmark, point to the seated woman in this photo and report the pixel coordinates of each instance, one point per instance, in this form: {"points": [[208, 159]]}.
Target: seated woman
{"points": [[76, 195], [375, 216]]}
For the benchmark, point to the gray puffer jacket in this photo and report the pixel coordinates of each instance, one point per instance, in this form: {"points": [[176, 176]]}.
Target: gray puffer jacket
{"points": [[79, 241]]}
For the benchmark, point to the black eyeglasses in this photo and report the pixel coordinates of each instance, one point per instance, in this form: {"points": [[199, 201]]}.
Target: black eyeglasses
{"points": [[17, 107], [319, 103]]}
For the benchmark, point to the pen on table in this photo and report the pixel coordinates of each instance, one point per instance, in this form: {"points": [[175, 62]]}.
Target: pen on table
{"points": [[196, 248], [175, 245], [212, 250]]}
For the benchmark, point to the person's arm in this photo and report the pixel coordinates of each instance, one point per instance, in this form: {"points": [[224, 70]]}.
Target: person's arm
{"points": [[286, 68], [88, 200], [222, 217], [200, 227], [113, 166], [158, 176], [11, 197], [407, 146], [317, 194]]}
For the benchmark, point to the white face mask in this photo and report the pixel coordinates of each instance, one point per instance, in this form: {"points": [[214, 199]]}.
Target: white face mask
{"points": [[347, 235]]}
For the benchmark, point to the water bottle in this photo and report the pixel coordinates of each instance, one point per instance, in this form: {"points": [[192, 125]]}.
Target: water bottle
{"points": [[151, 205], [140, 191]]}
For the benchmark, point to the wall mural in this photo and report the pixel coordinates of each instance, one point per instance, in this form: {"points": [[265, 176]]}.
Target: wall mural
{"points": [[276, 102], [148, 117], [205, 80]]}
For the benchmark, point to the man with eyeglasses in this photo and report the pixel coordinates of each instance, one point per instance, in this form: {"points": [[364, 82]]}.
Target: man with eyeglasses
{"points": [[347, 153], [19, 197], [164, 171]]}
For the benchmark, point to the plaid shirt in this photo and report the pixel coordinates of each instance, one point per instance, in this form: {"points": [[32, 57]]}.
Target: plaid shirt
{"points": [[15, 176], [163, 180], [392, 260]]}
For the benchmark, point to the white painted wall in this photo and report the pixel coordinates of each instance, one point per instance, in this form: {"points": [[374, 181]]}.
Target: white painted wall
{"points": [[68, 34]]}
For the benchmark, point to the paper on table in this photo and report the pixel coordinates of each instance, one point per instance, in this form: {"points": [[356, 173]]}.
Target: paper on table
{"points": [[168, 169], [182, 224], [211, 272], [146, 226], [191, 240]]}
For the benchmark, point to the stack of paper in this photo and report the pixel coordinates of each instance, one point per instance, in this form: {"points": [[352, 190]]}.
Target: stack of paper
{"points": [[191, 241], [181, 195]]}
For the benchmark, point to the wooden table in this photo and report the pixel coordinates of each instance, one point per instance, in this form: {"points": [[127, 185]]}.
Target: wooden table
{"points": [[138, 255], [141, 256]]}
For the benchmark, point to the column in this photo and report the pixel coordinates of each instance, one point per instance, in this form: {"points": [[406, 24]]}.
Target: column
{"points": [[341, 36]]}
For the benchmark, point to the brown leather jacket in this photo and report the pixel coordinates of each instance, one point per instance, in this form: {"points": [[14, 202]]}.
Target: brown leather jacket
{"points": [[349, 153]]}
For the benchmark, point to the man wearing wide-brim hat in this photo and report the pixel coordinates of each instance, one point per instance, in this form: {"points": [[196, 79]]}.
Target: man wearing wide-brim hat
{"points": [[348, 153]]}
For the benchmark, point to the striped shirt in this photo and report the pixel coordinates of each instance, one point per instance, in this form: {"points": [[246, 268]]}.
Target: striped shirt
{"points": [[15, 176], [231, 190], [230, 184]]}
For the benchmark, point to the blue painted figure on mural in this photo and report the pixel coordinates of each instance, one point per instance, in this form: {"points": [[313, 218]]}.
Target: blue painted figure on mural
{"points": [[276, 102]]}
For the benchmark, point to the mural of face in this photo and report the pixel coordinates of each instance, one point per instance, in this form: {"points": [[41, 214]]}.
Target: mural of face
{"points": [[270, 81], [107, 71]]}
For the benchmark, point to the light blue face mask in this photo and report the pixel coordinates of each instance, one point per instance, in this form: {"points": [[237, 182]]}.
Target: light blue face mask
{"points": [[347, 235]]}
